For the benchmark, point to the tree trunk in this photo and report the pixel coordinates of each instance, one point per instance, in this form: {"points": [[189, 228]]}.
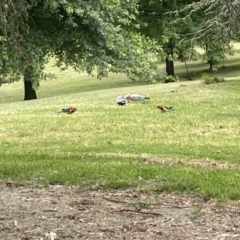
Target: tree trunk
{"points": [[29, 92], [169, 67], [169, 58], [210, 65], [188, 76]]}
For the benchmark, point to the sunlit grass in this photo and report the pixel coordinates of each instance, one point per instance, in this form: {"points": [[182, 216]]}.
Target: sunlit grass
{"points": [[66, 82], [100, 146]]}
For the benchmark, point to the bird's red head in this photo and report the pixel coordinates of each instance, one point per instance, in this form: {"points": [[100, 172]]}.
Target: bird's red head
{"points": [[161, 107], [128, 97], [72, 110]]}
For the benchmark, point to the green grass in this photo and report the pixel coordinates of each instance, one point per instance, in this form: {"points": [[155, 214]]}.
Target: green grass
{"points": [[226, 69], [101, 145], [66, 82]]}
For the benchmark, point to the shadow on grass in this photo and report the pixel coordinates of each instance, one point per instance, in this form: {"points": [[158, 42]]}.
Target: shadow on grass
{"points": [[231, 69]]}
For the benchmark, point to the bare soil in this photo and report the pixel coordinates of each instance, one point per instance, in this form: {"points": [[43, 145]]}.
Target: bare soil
{"points": [[28, 212]]}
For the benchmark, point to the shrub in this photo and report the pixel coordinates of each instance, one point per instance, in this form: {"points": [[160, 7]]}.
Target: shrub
{"points": [[209, 78], [170, 78]]}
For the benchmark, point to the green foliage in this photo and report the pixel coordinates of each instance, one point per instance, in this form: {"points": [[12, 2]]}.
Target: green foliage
{"points": [[220, 18], [170, 78], [162, 77], [214, 53], [174, 38], [209, 78], [12, 25], [91, 36], [214, 24]]}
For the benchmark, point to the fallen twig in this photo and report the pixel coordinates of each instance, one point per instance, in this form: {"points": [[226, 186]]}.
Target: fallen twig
{"points": [[149, 204], [116, 201]]}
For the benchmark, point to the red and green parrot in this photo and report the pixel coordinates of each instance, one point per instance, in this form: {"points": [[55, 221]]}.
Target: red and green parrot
{"points": [[164, 108], [69, 110]]}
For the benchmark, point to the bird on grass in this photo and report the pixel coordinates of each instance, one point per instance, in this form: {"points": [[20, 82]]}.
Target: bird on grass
{"points": [[69, 110], [164, 108], [121, 101], [136, 97]]}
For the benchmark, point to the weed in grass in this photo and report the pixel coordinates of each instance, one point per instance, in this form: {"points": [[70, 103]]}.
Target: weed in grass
{"points": [[197, 212], [170, 79], [210, 79], [141, 205], [219, 205], [207, 78]]}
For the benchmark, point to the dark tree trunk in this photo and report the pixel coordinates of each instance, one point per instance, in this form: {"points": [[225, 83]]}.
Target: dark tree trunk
{"points": [[210, 65], [169, 58], [188, 76], [169, 67], [29, 92]]}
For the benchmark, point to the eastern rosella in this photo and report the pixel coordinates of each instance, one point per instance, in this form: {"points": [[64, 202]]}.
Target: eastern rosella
{"points": [[69, 110], [164, 108], [136, 97], [121, 100]]}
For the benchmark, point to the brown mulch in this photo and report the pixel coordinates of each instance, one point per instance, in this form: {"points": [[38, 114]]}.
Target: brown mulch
{"points": [[28, 212]]}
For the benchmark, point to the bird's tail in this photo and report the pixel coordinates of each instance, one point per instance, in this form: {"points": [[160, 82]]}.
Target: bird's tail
{"points": [[147, 98], [63, 111], [168, 108]]}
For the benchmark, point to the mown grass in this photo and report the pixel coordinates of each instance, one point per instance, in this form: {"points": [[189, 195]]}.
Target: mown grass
{"points": [[66, 82], [226, 69], [102, 144]]}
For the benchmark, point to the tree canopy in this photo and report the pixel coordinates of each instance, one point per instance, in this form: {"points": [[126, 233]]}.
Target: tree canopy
{"points": [[87, 35], [220, 18], [160, 25], [110, 35], [218, 25]]}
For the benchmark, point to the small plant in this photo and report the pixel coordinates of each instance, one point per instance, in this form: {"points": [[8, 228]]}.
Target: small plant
{"points": [[197, 212], [209, 78], [139, 205], [159, 76], [170, 78]]}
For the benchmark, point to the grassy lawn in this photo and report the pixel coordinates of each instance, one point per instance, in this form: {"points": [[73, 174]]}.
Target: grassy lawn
{"points": [[66, 82], [103, 145]]}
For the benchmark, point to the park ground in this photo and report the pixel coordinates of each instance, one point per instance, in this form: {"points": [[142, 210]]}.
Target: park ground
{"points": [[34, 205], [60, 212]]}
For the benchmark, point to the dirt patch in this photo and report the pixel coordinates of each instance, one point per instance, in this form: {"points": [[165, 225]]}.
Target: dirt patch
{"points": [[204, 162], [60, 212]]}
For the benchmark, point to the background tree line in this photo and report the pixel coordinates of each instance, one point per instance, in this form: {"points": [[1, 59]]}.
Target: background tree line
{"points": [[111, 36]]}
